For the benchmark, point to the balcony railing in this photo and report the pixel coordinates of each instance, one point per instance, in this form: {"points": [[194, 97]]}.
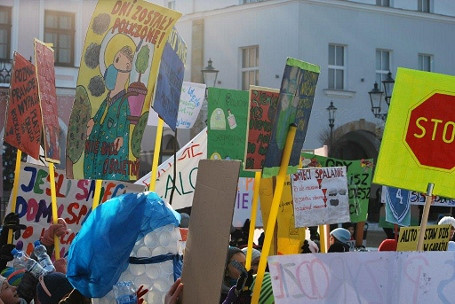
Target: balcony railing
{"points": [[5, 71]]}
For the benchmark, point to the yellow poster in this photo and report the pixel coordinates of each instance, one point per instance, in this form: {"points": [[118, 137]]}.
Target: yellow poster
{"points": [[115, 86], [417, 147], [436, 238], [289, 239]]}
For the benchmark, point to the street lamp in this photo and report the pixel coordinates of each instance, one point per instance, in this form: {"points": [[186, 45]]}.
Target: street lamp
{"points": [[209, 74], [331, 109], [388, 87], [376, 100]]}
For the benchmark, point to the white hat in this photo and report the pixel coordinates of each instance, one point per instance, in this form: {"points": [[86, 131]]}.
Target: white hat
{"points": [[447, 220], [451, 246], [341, 234]]}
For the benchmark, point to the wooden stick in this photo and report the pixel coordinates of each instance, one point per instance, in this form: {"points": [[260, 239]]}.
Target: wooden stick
{"points": [[426, 211], [17, 173], [156, 154]]}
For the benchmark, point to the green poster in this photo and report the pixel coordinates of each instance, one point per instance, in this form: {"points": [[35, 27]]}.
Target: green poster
{"points": [[226, 125], [359, 173]]}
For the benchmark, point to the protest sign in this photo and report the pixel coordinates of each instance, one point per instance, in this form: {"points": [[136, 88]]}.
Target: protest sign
{"points": [[320, 196], [75, 199], [418, 134], [436, 238], [289, 237], [263, 104], [363, 277], [116, 80], [191, 99], [294, 107], [208, 235], [227, 120], [170, 79], [45, 75], [24, 120], [359, 172]]}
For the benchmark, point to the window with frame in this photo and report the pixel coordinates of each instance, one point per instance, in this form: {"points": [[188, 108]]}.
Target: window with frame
{"points": [[426, 62], [382, 65], [385, 3], [5, 33], [250, 66], [424, 6], [59, 29], [337, 68]]}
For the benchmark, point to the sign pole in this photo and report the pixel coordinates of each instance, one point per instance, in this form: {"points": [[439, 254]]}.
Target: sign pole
{"points": [[156, 154], [426, 211], [254, 207], [280, 179], [54, 208], [96, 195], [17, 172]]}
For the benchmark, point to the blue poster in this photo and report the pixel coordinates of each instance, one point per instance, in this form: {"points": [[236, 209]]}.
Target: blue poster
{"points": [[294, 107], [397, 206]]}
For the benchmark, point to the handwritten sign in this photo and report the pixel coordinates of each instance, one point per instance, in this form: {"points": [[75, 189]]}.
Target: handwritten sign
{"points": [[227, 120], [294, 107], [436, 238], [263, 106], [320, 196], [117, 77], [74, 198], [44, 58], [24, 120], [363, 277], [360, 173], [243, 203], [170, 79]]}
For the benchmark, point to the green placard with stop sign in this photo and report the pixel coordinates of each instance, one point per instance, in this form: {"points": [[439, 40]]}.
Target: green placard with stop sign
{"points": [[418, 145]]}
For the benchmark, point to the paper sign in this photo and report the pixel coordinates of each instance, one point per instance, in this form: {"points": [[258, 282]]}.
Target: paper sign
{"points": [[243, 203], [320, 196], [24, 120], [170, 79], [359, 173], [436, 238], [74, 199], [116, 82], [227, 116], [191, 99], [419, 134], [208, 235], [263, 105], [45, 74], [294, 107], [363, 277]]}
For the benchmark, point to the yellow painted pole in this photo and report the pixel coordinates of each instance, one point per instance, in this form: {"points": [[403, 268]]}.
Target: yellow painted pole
{"points": [[280, 180], [54, 208], [254, 209], [426, 211], [323, 238], [156, 154], [96, 196], [17, 172]]}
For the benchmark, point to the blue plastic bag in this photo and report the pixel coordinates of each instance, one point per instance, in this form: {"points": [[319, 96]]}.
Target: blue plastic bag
{"points": [[100, 251]]}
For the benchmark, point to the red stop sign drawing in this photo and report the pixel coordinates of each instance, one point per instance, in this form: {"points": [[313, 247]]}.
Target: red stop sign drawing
{"points": [[431, 131]]}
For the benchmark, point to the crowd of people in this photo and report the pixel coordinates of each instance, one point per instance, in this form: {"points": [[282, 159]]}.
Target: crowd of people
{"points": [[19, 286]]}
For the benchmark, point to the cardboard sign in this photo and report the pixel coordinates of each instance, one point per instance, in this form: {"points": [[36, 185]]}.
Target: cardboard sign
{"points": [[116, 81], [170, 79], [74, 200], [436, 238], [363, 277], [360, 173], [45, 74], [418, 134], [24, 120], [294, 107], [227, 120], [208, 236], [320, 196], [263, 105]]}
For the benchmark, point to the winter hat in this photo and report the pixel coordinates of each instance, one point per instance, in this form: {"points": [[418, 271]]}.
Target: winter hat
{"points": [[184, 220], [14, 276], [341, 234], [447, 220], [256, 254], [451, 246], [388, 245], [52, 287], [231, 251]]}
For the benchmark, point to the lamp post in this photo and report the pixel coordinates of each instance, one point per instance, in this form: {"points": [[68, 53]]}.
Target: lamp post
{"points": [[331, 109], [388, 84], [209, 74], [376, 100]]}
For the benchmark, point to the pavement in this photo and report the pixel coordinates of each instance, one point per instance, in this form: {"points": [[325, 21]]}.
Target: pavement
{"points": [[375, 235]]}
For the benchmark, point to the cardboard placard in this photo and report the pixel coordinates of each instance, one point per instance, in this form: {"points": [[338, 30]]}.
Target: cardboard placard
{"points": [[436, 238], [209, 231]]}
